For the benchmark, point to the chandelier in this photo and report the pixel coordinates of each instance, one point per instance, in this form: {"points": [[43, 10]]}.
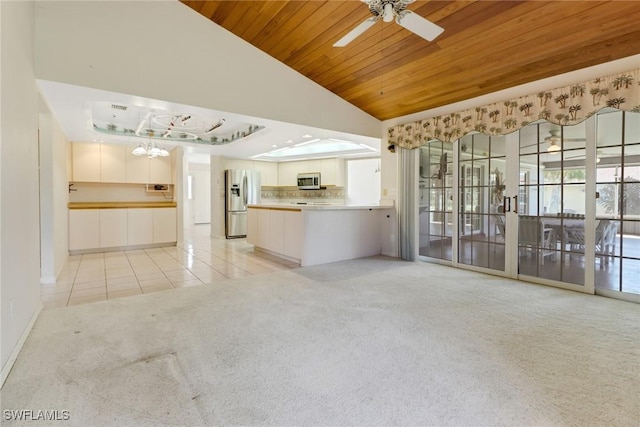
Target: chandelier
{"points": [[150, 149]]}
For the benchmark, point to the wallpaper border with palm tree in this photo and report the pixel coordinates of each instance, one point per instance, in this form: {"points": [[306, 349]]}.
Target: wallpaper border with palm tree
{"points": [[566, 105]]}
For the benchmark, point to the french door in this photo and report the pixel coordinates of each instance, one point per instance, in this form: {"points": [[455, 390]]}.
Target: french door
{"points": [[557, 205]]}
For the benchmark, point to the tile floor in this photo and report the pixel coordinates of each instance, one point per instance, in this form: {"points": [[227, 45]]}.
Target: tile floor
{"points": [[200, 259]]}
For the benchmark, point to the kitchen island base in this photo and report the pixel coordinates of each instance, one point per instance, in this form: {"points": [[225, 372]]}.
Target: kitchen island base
{"points": [[319, 234]]}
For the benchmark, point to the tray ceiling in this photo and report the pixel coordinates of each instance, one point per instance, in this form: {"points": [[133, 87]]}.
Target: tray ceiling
{"points": [[390, 72]]}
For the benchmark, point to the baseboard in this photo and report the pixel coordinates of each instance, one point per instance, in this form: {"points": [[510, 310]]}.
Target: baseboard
{"points": [[625, 296], [47, 280], [121, 248], [6, 369], [389, 254]]}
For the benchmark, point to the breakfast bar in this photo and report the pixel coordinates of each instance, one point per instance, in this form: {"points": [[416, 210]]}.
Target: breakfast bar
{"points": [[313, 234]]}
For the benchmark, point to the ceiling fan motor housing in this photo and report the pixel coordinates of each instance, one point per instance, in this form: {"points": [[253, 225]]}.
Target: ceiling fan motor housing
{"points": [[387, 9]]}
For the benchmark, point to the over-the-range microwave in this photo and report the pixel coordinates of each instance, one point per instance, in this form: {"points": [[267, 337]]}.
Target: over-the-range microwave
{"points": [[309, 181]]}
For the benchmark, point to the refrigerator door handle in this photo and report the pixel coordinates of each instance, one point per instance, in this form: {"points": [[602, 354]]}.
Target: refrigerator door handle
{"points": [[244, 190]]}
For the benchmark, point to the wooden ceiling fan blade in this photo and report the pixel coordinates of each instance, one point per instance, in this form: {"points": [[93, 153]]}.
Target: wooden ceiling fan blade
{"points": [[418, 25], [353, 34]]}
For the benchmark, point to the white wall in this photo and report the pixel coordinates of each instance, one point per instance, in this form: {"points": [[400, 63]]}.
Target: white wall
{"points": [[200, 204], [363, 181], [218, 166], [54, 196], [20, 224], [165, 50]]}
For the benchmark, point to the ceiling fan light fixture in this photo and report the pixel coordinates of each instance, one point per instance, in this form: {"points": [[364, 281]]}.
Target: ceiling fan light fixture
{"points": [[388, 13], [387, 10], [553, 147]]}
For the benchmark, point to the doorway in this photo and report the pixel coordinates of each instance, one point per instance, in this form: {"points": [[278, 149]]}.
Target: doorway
{"points": [[201, 196]]}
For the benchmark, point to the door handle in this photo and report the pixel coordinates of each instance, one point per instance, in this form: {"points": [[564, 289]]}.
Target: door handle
{"points": [[506, 204], [245, 189], [515, 203]]}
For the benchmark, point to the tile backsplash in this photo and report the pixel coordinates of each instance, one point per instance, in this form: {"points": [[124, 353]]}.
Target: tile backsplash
{"points": [[332, 193]]}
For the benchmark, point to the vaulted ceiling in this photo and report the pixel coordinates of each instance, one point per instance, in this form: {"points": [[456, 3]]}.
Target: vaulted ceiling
{"points": [[390, 72]]}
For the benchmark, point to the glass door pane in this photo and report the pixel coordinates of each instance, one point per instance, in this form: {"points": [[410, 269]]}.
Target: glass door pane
{"points": [[481, 220], [617, 244], [435, 207], [551, 202]]}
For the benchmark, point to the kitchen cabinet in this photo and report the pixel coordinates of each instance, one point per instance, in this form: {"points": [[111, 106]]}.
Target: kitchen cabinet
{"points": [[331, 171], [268, 173], [292, 244], [86, 162], [276, 230], [252, 229], [113, 227], [164, 225], [264, 223], [288, 173], [160, 170], [96, 229], [113, 163], [139, 226], [137, 168], [239, 164], [84, 229]]}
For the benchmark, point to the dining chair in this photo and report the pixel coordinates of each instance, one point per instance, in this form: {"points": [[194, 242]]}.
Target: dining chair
{"points": [[500, 227], [606, 234], [535, 238]]}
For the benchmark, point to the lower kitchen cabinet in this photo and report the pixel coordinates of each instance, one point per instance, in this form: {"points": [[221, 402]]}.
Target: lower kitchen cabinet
{"points": [[139, 226], [276, 230], [96, 229], [164, 225], [113, 228], [84, 229], [292, 245]]}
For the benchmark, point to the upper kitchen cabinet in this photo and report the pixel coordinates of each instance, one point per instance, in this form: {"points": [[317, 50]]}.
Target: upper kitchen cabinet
{"points": [[113, 163], [288, 173], [160, 170], [86, 162], [137, 168], [331, 171], [268, 173]]}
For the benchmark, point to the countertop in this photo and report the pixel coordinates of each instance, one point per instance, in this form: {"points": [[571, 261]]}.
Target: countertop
{"points": [[120, 205], [293, 206]]}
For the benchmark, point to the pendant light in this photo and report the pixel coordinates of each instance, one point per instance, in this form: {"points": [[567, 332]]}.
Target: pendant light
{"points": [[150, 149]]}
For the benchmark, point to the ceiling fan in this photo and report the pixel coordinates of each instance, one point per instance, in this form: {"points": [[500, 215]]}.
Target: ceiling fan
{"points": [[387, 10]]}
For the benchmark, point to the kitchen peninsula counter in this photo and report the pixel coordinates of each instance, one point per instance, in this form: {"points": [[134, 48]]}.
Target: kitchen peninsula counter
{"points": [[318, 233]]}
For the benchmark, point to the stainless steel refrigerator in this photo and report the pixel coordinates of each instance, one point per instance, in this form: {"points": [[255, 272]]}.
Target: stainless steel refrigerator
{"points": [[242, 188]]}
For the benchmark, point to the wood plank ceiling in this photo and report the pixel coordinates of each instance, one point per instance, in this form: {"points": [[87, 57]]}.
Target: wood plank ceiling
{"points": [[389, 72]]}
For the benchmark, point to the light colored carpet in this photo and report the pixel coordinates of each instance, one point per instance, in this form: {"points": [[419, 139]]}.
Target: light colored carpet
{"points": [[374, 341]]}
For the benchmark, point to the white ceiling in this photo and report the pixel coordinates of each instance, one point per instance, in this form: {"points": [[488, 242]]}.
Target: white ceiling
{"points": [[77, 109]]}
